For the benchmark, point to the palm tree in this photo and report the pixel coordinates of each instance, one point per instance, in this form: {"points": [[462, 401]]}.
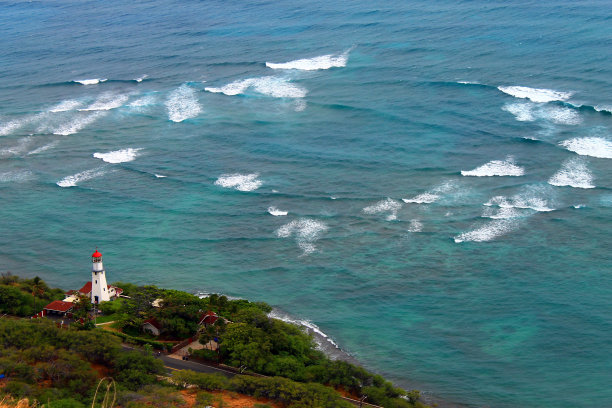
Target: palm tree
{"points": [[38, 288]]}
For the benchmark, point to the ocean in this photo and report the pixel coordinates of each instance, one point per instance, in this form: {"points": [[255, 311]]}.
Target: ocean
{"points": [[428, 184]]}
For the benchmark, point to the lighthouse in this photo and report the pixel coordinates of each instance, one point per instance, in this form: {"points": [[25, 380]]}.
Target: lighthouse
{"points": [[99, 288]]}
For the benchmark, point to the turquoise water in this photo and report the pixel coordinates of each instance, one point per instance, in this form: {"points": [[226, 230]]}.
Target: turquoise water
{"points": [[481, 290]]}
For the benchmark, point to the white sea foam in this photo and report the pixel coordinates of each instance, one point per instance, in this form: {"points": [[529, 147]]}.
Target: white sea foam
{"points": [[78, 123], [93, 81], [160, 175], [107, 101], [573, 173], [468, 82], [529, 199], [415, 226], [44, 147], [603, 108], [16, 176], [308, 325], [142, 102], [66, 106], [306, 232], [523, 112], [141, 78], [312, 64], [9, 127], [502, 213], [578, 206], [488, 231], [276, 212], [182, 103], [20, 148], [589, 146], [118, 156], [530, 112], [240, 182], [535, 94], [272, 86], [561, 115], [496, 168], [425, 198], [72, 181], [384, 206]]}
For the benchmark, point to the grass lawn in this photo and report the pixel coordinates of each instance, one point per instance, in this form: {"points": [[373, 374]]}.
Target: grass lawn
{"points": [[105, 319]]}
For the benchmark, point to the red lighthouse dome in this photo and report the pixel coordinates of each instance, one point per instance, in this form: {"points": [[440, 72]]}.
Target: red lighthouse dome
{"points": [[96, 254]]}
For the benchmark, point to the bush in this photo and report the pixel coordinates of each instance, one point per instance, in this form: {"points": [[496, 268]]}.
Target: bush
{"points": [[66, 403], [207, 382], [18, 389], [205, 354]]}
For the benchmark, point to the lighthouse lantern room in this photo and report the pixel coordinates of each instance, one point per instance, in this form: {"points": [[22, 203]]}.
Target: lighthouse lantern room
{"points": [[99, 287]]}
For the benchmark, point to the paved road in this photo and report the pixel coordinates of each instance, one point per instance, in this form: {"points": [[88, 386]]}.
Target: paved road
{"points": [[176, 364], [173, 364]]}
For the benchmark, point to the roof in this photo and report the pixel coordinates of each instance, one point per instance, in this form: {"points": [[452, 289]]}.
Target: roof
{"points": [[59, 306], [86, 289], [209, 317], [96, 254], [153, 323]]}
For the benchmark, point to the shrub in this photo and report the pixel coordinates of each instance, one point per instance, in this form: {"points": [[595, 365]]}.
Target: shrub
{"points": [[65, 403]]}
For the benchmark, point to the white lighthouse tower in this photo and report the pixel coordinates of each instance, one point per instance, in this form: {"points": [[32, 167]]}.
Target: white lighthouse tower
{"points": [[99, 288]]}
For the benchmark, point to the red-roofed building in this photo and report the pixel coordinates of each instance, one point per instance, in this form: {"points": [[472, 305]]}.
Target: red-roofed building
{"points": [[152, 326], [208, 318], [58, 307]]}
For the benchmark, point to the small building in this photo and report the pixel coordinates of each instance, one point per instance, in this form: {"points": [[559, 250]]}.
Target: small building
{"points": [[208, 319], [58, 308]]}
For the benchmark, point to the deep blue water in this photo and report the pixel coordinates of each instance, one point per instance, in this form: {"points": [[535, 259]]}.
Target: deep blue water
{"points": [[481, 291]]}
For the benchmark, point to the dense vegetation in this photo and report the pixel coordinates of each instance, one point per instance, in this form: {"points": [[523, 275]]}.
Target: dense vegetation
{"points": [[67, 362], [44, 362], [290, 393], [25, 297], [253, 341]]}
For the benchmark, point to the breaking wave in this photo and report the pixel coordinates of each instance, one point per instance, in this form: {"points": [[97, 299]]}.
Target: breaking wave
{"points": [[240, 182], [141, 78], [589, 146], [16, 176], [276, 212], [488, 232], [142, 102], [312, 64], [538, 95], [182, 103], [529, 112], [106, 101], [384, 206], [118, 156], [272, 86], [415, 226], [66, 106], [573, 173], [78, 123], [432, 195], [526, 200], [72, 181], [496, 168], [93, 81], [8, 127], [44, 148], [308, 325], [306, 232], [425, 198]]}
